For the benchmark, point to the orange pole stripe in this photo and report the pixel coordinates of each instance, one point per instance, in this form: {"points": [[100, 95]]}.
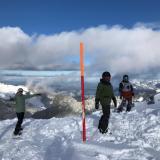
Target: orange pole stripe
{"points": [[81, 59]]}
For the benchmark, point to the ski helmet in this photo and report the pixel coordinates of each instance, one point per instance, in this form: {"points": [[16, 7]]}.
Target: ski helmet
{"points": [[106, 74], [125, 78], [20, 90]]}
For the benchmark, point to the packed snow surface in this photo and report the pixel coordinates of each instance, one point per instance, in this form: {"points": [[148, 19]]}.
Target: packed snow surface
{"points": [[135, 136]]}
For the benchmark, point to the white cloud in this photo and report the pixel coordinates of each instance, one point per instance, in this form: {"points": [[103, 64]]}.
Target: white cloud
{"points": [[14, 45], [116, 49]]}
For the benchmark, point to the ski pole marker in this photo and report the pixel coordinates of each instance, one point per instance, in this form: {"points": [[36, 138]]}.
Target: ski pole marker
{"points": [[82, 91]]}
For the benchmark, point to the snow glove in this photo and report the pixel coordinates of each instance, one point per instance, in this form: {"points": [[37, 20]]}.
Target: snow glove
{"points": [[96, 104], [114, 101]]}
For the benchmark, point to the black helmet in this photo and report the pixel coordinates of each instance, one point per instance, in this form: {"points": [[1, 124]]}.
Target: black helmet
{"points": [[106, 74], [125, 77]]}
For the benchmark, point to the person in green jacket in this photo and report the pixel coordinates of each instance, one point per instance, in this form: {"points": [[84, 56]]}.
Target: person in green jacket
{"points": [[20, 108], [104, 95]]}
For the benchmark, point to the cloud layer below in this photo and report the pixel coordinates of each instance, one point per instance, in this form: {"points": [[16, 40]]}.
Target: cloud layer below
{"points": [[117, 49]]}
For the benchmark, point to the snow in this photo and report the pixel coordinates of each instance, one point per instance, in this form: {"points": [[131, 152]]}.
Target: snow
{"points": [[135, 136], [132, 136], [140, 99]]}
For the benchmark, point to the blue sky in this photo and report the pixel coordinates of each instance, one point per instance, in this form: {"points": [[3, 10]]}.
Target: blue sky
{"points": [[54, 16], [45, 35]]}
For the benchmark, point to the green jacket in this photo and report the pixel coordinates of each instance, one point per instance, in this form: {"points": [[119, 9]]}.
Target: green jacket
{"points": [[104, 93], [20, 101]]}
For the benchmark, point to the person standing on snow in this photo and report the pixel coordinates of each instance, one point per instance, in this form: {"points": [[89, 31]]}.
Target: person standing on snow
{"points": [[20, 108], [126, 94], [104, 95]]}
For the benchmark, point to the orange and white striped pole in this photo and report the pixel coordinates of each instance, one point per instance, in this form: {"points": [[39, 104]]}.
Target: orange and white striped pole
{"points": [[82, 91]]}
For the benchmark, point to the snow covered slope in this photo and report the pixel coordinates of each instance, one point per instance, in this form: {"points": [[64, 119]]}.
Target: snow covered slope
{"points": [[135, 136]]}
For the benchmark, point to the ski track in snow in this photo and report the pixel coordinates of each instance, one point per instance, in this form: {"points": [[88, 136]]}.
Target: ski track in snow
{"points": [[135, 136]]}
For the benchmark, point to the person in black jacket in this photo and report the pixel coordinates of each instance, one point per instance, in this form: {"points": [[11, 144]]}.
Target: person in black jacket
{"points": [[104, 95]]}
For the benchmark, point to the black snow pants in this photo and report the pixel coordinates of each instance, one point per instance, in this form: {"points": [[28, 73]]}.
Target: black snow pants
{"points": [[125, 101], [18, 127], [104, 120]]}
